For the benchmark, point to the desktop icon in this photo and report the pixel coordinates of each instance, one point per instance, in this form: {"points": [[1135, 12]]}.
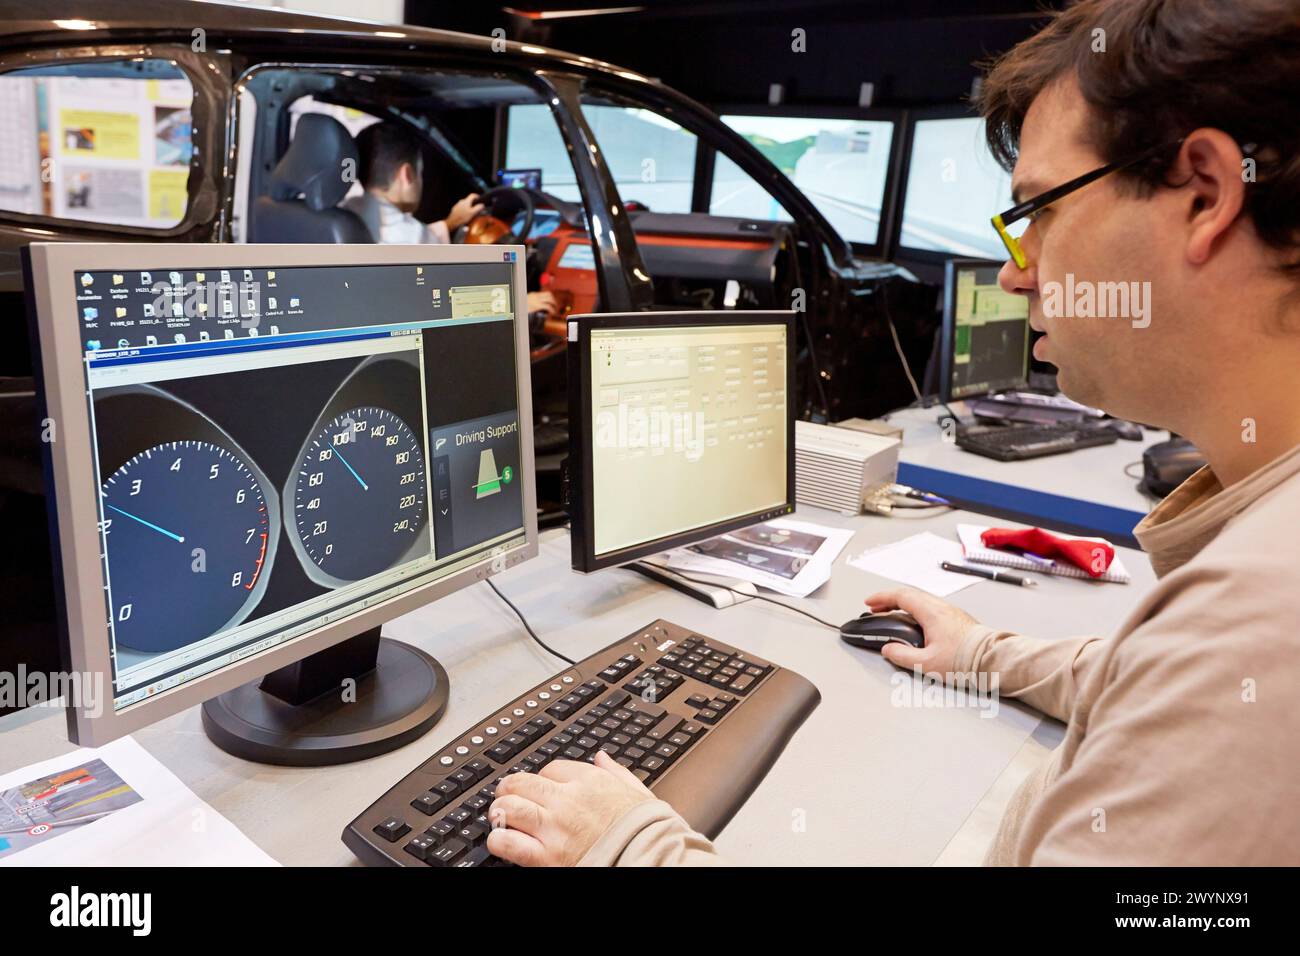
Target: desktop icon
{"points": [[270, 302], [123, 344], [225, 276], [248, 275], [146, 278], [203, 336], [118, 278], [230, 333], [90, 313], [120, 312], [179, 338], [92, 345], [87, 278], [200, 277], [151, 340], [293, 303], [175, 278], [270, 275]]}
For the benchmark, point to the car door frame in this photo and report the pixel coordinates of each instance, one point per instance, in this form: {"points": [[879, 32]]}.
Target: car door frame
{"points": [[206, 73]]}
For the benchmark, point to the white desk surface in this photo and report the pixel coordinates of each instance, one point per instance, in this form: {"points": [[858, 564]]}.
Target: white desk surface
{"points": [[1090, 474], [863, 781]]}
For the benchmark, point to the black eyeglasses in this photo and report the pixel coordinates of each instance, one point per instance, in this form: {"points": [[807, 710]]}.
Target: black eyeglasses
{"points": [[1030, 206]]}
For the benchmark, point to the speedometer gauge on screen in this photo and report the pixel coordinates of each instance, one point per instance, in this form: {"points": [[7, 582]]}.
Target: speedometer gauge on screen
{"points": [[356, 503]]}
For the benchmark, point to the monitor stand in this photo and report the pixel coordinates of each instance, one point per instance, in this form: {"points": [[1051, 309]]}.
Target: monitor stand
{"points": [[362, 697], [712, 589]]}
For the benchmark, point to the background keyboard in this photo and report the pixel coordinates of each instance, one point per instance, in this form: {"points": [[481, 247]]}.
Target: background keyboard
{"points": [[1019, 442], [699, 722]]}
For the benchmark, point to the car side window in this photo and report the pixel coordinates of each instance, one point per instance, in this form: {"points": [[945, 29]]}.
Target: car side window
{"points": [[651, 158], [735, 193], [104, 142]]}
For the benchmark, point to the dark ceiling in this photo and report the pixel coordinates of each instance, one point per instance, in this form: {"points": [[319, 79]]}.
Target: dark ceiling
{"points": [[915, 52]]}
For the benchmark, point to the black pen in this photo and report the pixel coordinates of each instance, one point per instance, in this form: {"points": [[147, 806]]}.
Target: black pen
{"points": [[1002, 576]]}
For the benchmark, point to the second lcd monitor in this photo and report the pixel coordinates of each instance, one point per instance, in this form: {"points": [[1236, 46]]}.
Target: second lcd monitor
{"points": [[681, 428]]}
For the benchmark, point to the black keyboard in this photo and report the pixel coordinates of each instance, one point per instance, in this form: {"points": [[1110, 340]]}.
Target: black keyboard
{"points": [[1018, 442], [699, 722]]}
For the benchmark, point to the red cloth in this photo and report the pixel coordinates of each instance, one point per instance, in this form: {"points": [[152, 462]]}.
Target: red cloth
{"points": [[1093, 557]]}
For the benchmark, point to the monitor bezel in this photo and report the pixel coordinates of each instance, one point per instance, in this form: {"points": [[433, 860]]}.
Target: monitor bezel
{"points": [[61, 394], [581, 498], [948, 329], [906, 254], [891, 204]]}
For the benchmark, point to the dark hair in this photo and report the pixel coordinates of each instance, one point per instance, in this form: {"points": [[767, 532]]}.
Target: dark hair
{"points": [[382, 148], [1152, 71]]}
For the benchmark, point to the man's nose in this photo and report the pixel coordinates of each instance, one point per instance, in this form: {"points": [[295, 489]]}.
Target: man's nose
{"points": [[1015, 280]]}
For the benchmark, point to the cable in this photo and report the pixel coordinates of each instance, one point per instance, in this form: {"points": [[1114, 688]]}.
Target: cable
{"points": [[898, 347], [761, 597], [523, 620]]}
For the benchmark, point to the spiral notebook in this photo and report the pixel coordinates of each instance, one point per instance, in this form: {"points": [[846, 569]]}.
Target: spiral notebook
{"points": [[974, 549]]}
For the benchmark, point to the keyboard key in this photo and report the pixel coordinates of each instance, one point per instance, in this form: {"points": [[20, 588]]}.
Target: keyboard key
{"points": [[429, 803], [448, 788], [464, 777], [472, 832], [441, 830], [421, 846], [667, 751], [447, 854], [392, 829], [479, 856]]}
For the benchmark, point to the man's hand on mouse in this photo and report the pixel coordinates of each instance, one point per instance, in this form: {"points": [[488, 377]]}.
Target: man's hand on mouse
{"points": [[945, 627]]}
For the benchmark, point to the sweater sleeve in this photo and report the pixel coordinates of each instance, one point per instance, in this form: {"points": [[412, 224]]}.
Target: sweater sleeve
{"points": [[651, 834], [1044, 673], [1188, 757]]}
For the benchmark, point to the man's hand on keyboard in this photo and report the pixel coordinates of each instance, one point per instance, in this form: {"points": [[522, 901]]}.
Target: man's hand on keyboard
{"points": [[554, 817], [944, 624]]}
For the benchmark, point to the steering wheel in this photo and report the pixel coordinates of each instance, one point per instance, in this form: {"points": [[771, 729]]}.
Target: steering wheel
{"points": [[491, 226]]}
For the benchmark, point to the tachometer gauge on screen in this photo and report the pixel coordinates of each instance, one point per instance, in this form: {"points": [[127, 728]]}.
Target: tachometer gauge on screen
{"points": [[189, 522], [359, 504]]}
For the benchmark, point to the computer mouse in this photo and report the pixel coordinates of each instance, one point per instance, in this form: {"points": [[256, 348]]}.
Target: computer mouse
{"points": [[1167, 464], [874, 631], [1129, 431]]}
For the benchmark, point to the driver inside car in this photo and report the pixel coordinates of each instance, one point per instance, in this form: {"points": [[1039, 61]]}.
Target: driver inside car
{"points": [[392, 174]]}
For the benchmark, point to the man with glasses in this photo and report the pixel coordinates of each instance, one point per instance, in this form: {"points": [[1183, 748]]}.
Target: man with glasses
{"points": [[1151, 141]]}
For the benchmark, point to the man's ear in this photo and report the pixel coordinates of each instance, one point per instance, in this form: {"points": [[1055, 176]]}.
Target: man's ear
{"points": [[1211, 164], [406, 172]]}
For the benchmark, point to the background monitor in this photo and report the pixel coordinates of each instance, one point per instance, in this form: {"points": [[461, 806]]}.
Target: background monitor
{"points": [[952, 188], [681, 428], [842, 163], [984, 344], [516, 178], [264, 450]]}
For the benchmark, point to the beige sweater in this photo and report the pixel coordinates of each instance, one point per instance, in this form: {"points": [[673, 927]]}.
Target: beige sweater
{"points": [[1183, 737]]}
